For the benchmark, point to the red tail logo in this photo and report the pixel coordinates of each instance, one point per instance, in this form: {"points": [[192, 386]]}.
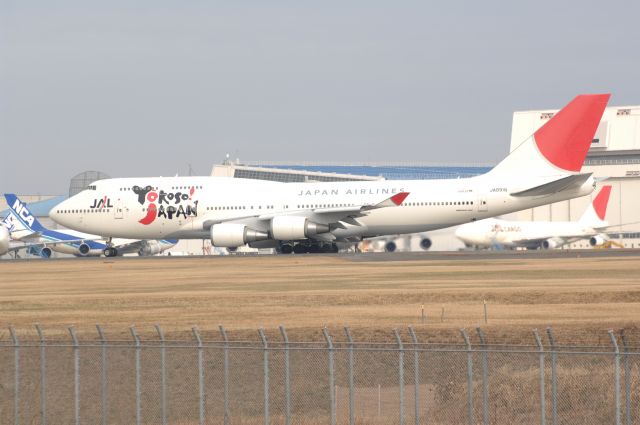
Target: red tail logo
{"points": [[566, 138], [601, 200]]}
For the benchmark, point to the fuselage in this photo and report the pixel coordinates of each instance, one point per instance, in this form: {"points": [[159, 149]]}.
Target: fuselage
{"points": [[494, 232], [185, 207]]}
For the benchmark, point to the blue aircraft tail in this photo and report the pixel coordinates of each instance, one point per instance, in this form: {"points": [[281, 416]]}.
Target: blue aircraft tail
{"points": [[20, 218]]}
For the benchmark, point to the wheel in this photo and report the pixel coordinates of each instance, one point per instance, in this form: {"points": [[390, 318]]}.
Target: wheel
{"points": [[286, 248], [299, 248], [114, 252], [107, 252]]}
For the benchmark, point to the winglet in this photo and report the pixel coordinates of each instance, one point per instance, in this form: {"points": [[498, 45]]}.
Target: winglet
{"points": [[399, 198], [394, 201]]}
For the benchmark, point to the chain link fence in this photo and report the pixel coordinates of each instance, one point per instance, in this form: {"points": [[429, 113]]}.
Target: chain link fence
{"points": [[277, 381]]}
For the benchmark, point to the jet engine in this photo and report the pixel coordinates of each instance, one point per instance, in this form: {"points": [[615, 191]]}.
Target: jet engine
{"points": [[149, 248], [291, 228], [84, 249], [425, 244], [45, 252], [390, 246], [550, 243], [4, 240], [598, 239], [234, 234]]}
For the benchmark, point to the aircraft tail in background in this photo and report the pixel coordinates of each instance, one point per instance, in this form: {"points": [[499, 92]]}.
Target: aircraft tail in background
{"points": [[594, 216], [20, 221]]}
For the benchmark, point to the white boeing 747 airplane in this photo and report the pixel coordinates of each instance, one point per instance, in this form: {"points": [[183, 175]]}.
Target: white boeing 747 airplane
{"points": [[540, 234], [545, 168]]}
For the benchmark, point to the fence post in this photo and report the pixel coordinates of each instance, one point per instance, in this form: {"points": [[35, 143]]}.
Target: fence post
{"points": [[223, 332], [400, 373], [136, 340], [332, 387], [196, 335], [627, 378], [287, 377], [616, 393], [554, 378], [416, 375], [103, 374], [352, 413], [265, 348], [467, 343], [76, 373], [543, 401], [485, 377], [163, 375], [43, 375], [16, 375]]}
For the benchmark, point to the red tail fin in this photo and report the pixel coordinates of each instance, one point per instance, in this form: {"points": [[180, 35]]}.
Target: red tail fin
{"points": [[601, 200], [566, 138]]}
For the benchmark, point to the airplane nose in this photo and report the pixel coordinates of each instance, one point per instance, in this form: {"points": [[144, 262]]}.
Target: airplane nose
{"points": [[56, 212]]}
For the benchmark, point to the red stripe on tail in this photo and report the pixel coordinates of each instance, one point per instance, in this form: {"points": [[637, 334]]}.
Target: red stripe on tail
{"points": [[601, 200], [566, 138]]}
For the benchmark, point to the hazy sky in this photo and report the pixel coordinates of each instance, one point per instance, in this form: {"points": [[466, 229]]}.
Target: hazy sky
{"points": [[136, 88]]}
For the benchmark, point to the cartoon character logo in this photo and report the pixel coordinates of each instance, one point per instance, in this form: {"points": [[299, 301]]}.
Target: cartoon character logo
{"points": [[177, 204]]}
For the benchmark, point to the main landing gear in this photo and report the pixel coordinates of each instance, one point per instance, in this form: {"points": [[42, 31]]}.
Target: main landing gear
{"points": [[305, 247]]}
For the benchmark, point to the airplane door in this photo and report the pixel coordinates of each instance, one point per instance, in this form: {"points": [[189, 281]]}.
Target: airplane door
{"points": [[119, 209], [483, 205]]}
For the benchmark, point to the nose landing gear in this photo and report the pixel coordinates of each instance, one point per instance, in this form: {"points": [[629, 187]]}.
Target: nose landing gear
{"points": [[110, 251]]}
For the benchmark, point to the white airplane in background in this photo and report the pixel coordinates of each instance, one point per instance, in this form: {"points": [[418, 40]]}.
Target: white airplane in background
{"points": [[23, 226], [540, 234], [544, 169]]}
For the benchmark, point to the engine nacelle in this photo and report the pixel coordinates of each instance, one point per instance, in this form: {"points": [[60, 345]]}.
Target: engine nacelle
{"points": [[83, 249], [233, 235], [598, 240], [150, 248], [550, 244], [425, 244], [46, 252], [4, 240], [291, 228]]}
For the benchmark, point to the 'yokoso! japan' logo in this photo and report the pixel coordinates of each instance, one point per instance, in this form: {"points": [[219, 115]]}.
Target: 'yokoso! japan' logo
{"points": [[166, 205]]}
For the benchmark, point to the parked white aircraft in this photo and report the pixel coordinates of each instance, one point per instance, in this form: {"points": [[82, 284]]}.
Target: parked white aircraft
{"points": [[233, 212], [540, 234]]}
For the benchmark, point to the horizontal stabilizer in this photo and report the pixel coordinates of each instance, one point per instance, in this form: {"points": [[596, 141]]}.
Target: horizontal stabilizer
{"points": [[565, 183]]}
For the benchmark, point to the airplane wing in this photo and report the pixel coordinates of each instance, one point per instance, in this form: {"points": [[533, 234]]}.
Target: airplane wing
{"points": [[335, 216], [16, 246]]}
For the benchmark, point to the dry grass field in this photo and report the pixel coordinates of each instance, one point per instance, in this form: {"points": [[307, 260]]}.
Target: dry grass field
{"points": [[580, 297]]}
